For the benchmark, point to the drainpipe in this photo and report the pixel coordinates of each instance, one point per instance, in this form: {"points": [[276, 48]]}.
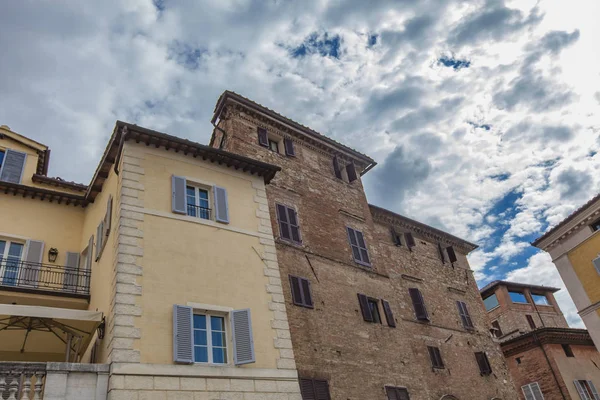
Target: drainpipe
{"points": [[535, 338]]}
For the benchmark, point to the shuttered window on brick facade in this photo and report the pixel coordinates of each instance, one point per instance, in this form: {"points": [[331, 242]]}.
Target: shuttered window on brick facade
{"points": [[359, 247], [483, 362], [301, 295], [396, 393], [389, 315], [464, 314], [410, 240], [288, 145], [263, 138], [396, 237], [289, 228], [532, 391], [418, 304], [435, 356], [451, 254], [441, 252], [336, 168], [497, 329], [314, 389], [351, 172]]}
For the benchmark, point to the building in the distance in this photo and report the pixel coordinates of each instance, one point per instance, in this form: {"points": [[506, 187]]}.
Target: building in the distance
{"points": [[574, 245], [379, 305], [547, 359]]}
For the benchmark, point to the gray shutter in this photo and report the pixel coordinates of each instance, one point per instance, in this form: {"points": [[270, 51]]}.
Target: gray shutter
{"points": [[99, 240], [527, 392], [336, 168], [178, 197], [70, 277], [594, 391], [108, 216], [536, 391], [243, 343], [221, 206], [183, 345], [351, 171], [451, 254], [12, 167], [597, 265], [389, 316], [288, 144], [441, 251], [30, 269], [88, 265], [582, 391], [263, 139], [364, 307]]}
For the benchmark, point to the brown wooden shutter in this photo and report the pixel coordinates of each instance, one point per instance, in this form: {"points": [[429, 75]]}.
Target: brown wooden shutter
{"points": [[530, 321], [353, 243], [307, 389], [392, 393], [364, 254], [451, 254], [336, 168], [321, 390], [435, 356], [410, 240], [284, 225], [296, 290], [293, 224], [288, 144], [395, 237], [389, 316], [418, 304], [464, 314], [263, 139], [483, 362], [441, 251], [306, 294], [364, 307], [351, 171]]}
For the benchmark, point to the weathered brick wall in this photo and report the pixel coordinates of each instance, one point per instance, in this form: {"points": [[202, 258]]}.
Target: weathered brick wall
{"points": [[332, 341], [534, 367]]}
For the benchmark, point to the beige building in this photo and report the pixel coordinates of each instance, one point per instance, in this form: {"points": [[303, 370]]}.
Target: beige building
{"points": [[574, 245], [158, 280]]}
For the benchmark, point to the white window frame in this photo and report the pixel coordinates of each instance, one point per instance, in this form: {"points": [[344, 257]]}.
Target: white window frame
{"points": [[215, 311], [197, 187], [530, 387], [4, 256]]}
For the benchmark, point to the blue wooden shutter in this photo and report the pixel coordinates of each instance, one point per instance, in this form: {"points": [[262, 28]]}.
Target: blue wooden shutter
{"points": [[263, 139], [12, 166], [288, 144], [31, 267], [243, 342], [178, 199], [183, 345], [221, 206]]}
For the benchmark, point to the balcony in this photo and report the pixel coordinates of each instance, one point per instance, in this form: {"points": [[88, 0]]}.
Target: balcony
{"points": [[197, 211], [56, 280]]}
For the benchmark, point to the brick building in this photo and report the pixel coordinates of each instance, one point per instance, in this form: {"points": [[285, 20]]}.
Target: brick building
{"points": [[547, 359], [379, 306]]}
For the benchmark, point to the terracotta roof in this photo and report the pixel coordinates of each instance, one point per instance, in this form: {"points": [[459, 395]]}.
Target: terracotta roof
{"points": [[538, 336], [492, 285], [59, 182], [424, 228], [566, 220], [43, 194], [244, 100]]}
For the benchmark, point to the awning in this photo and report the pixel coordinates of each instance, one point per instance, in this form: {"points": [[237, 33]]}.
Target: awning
{"points": [[53, 333]]}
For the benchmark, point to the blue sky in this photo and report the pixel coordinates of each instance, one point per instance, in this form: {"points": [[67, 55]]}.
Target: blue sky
{"points": [[482, 114]]}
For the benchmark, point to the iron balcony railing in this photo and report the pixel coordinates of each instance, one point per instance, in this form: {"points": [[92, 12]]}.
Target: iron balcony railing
{"points": [[18, 274], [197, 211]]}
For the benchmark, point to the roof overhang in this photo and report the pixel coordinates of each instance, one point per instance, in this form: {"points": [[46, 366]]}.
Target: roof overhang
{"points": [[388, 217], [292, 127], [491, 287], [540, 336], [47, 331]]}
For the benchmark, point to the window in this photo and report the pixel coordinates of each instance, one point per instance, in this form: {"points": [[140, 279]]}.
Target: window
{"points": [[418, 304], [1, 158], [396, 237], [497, 332], [483, 362], [595, 226], [359, 247], [314, 389], [288, 224], [10, 262], [369, 307], [451, 254], [491, 302], [586, 390], [441, 252], [540, 299], [263, 138], [396, 393], [532, 391], [568, 351], [596, 262], [301, 295], [530, 321], [273, 146], [197, 202], [210, 344], [12, 165], [518, 360], [288, 145], [436, 357], [464, 314], [517, 297], [410, 240]]}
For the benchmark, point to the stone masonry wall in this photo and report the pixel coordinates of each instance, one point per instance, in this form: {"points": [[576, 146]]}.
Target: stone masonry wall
{"points": [[332, 341]]}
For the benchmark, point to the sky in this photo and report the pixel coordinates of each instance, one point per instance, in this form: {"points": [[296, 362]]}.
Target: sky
{"points": [[483, 115]]}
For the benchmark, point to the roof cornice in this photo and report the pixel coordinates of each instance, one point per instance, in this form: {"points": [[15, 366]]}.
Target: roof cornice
{"points": [[536, 288], [385, 216], [584, 215], [43, 194], [291, 127], [534, 338]]}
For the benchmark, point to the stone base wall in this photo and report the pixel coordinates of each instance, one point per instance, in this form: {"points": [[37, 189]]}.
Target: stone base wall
{"points": [[192, 382], [74, 381]]}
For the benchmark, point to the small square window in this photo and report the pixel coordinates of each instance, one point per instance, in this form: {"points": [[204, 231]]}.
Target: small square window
{"points": [[491, 302], [198, 204], [540, 299], [518, 360], [568, 351], [210, 341], [518, 297]]}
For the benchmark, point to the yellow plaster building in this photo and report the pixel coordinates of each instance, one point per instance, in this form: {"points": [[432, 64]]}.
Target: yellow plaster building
{"points": [[160, 277], [574, 245]]}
